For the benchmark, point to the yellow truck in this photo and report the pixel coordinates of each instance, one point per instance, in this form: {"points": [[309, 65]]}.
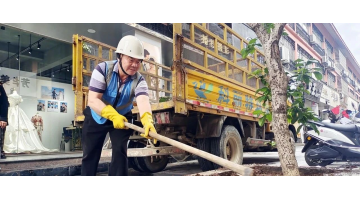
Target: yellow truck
{"points": [[205, 99]]}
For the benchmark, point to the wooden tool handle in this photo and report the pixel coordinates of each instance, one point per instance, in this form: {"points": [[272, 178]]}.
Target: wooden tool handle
{"points": [[245, 171]]}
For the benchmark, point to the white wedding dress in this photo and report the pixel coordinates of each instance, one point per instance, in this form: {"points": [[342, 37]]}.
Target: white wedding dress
{"points": [[21, 136]]}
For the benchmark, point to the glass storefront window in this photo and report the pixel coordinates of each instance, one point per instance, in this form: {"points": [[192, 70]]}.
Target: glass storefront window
{"points": [[39, 91]]}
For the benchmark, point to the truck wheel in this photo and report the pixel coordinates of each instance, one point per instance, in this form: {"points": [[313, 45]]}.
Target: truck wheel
{"points": [[204, 145], [133, 161], [228, 145], [157, 165]]}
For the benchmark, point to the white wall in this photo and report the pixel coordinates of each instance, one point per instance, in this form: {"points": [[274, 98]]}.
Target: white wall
{"points": [[53, 121], [349, 105]]}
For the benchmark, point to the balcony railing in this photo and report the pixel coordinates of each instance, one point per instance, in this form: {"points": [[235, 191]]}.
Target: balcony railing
{"points": [[352, 83], [338, 68], [292, 25], [290, 66], [303, 33], [319, 49]]}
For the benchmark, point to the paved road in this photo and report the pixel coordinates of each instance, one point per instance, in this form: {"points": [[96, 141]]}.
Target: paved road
{"points": [[192, 167]]}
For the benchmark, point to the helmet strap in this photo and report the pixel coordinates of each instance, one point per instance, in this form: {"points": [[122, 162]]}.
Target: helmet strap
{"points": [[122, 67]]}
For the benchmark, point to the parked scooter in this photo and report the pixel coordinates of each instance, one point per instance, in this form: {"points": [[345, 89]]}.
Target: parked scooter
{"points": [[335, 143], [339, 118]]}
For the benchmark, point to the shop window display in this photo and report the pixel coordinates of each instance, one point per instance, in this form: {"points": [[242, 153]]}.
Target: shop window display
{"points": [[36, 80]]}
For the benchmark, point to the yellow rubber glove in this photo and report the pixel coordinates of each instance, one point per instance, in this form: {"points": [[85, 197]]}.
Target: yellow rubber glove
{"points": [[118, 120], [148, 123]]}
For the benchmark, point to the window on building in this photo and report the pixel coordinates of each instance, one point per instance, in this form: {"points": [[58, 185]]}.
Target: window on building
{"points": [[318, 65], [318, 36], [329, 49], [331, 80], [352, 92], [303, 55], [288, 46], [304, 26]]}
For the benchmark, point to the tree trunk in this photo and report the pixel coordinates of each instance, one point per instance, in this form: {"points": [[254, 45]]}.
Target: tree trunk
{"points": [[278, 85]]}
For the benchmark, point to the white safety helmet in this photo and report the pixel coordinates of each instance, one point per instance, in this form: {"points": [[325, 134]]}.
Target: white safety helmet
{"points": [[131, 46]]}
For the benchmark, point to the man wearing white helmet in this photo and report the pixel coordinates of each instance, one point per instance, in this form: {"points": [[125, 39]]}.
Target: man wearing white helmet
{"points": [[113, 87]]}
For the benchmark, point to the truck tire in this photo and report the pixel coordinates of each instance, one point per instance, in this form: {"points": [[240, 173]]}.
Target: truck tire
{"points": [[159, 163], [133, 161], [228, 145], [204, 145]]}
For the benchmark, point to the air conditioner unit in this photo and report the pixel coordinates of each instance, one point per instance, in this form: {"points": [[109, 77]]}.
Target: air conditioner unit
{"points": [[312, 39], [325, 59], [345, 73], [285, 55]]}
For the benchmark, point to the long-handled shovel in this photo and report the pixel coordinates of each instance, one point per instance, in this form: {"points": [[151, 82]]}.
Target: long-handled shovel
{"points": [[245, 171]]}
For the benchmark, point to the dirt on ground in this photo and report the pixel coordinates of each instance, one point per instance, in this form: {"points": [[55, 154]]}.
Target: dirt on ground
{"points": [[304, 171], [264, 170]]}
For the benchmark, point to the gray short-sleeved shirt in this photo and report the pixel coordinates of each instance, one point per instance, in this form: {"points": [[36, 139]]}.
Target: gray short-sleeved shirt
{"points": [[98, 84]]}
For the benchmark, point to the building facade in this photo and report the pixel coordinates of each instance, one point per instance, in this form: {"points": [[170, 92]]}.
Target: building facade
{"points": [[322, 42]]}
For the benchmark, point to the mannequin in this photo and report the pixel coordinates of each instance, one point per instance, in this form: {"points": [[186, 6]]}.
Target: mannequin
{"points": [[21, 135], [38, 123]]}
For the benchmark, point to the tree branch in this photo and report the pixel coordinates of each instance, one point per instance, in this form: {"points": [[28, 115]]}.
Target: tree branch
{"points": [[277, 31], [259, 30]]}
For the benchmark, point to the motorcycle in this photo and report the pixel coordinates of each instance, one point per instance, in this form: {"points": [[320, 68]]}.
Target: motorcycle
{"points": [[334, 143]]}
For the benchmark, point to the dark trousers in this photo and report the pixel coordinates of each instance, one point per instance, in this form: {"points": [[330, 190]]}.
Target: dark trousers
{"points": [[2, 140], [93, 136]]}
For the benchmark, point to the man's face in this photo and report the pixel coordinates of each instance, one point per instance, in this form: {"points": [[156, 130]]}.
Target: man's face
{"points": [[130, 65]]}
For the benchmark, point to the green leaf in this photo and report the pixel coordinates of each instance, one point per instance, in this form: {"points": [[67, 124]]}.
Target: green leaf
{"points": [[306, 79], [257, 72], [297, 94], [244, 53], [299, 128], [318, 69], [301, 114], [257, 112], [269, 27], [252, 41], [294, 116], [264, 89], [262, 121], [298, 60], [285, 33], [261, 98], [315, 128], [269, 117], [318, 75], [311, 61], [266, 70], [263, 82]]}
